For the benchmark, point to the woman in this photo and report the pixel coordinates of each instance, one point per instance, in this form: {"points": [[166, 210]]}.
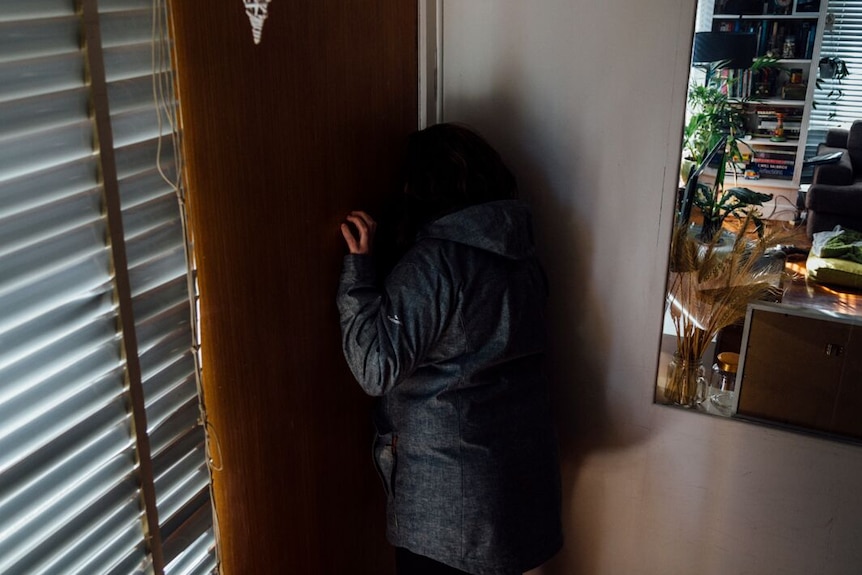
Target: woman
{"points": [[452, 345]]}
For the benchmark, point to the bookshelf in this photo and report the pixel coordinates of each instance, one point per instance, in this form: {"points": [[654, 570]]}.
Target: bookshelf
{"points": [[792, 31]]}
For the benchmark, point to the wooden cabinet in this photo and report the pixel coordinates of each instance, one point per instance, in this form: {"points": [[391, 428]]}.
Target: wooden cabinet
{"points": [[802, 368]]}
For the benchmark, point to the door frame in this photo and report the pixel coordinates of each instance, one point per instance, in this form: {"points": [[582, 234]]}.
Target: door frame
{"points": [[430, 52]]}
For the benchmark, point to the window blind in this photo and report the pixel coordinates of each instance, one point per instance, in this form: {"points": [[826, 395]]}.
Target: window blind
{"points": [[844, 40], [72, 476], [158, 274]]}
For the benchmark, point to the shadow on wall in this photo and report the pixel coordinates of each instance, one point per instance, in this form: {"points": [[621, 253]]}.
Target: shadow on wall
{"points": [[579, 342]]}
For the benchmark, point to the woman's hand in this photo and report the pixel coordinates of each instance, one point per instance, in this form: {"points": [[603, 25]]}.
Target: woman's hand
{"points": [[366, 226]]}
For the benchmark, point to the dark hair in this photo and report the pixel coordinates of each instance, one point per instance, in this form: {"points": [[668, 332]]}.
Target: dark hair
{"points": [[450, 167]]}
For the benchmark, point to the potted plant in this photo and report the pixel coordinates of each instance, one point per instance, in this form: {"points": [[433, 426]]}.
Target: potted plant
{"points": [[833, 69], [716, 203], [714, 117]]}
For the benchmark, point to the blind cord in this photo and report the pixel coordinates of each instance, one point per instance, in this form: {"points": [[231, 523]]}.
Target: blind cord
{"points": [[166, 111]]}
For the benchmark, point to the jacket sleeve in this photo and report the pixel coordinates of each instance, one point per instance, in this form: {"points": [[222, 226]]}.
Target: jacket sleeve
{"points": [[386, 333]]}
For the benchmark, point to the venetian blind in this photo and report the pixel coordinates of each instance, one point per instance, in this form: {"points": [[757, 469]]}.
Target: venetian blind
{"points": [[74, 479], [844, 40]]}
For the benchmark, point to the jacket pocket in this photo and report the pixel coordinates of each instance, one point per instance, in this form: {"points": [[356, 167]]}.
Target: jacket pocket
{"points": [[385, 453]]}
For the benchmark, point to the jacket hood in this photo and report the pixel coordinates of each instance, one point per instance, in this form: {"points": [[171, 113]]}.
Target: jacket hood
{"points": [[502, 227]]}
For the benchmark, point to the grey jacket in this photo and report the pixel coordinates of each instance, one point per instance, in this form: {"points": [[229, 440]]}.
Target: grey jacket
{"points": [[452, 344]]}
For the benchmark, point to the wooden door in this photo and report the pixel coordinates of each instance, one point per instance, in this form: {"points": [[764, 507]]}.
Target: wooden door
{"points": [[281, 140]]}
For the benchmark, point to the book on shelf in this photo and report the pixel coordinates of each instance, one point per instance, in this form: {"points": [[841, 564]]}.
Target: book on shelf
{"points": [[774, 164], [766, 158], [780, 156], [736, 83], [785, 173], [809, 34]]}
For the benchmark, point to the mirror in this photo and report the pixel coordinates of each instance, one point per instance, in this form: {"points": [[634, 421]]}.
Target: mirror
{"points": [[764, 292]]}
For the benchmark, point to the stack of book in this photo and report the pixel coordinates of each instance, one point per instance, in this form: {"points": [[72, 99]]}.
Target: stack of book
{"points": [[778, 164]]}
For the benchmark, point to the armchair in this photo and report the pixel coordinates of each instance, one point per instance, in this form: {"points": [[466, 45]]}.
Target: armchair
{"points": [[835, 195]]}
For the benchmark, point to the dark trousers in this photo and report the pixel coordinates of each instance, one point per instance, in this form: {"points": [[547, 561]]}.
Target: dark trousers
{"points": [[407, 563]]}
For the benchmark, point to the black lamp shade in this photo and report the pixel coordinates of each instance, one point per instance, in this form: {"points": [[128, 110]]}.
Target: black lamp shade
{"points": [[738, 47]]}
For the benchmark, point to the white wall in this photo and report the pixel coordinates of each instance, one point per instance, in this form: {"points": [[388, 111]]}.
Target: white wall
{"points": [[584, 98]]}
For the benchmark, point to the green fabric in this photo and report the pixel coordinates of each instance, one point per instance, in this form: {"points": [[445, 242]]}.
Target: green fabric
{"points": [[834, 271], [839, 244]]}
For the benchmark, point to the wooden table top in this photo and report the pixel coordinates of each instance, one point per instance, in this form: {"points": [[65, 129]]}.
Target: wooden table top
{"points": [[801, 291]]}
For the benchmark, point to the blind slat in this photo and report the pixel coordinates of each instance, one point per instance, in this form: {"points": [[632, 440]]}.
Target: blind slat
{"points": [[37, 427], [124, 553], [17, 229], [64, 286], [136, 126], [182, 421], [22, 79], [128, 61], [180, 448], [196, 559], [27, 39], [163, 378], [146, 186], [84, 503], [172, 323], [156, 214], [60, 338], [45, 187], [52, 256], [46, 149], [187, 466], [124, 519], [166, 349], [134, 93], [175, 502], [43, 112], [127, 27], [150, 274], [16, 399], [67, 497], [161, 408], [139, 158], [166, 295], [29, 9], [191, 520], [77, 439]]}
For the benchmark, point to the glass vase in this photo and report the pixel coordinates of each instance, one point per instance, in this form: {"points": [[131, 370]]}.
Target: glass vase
{"points": [[686, 384]]}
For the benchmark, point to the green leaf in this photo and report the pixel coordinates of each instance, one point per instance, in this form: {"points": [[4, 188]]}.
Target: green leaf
{"points": [[749, 197]]}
